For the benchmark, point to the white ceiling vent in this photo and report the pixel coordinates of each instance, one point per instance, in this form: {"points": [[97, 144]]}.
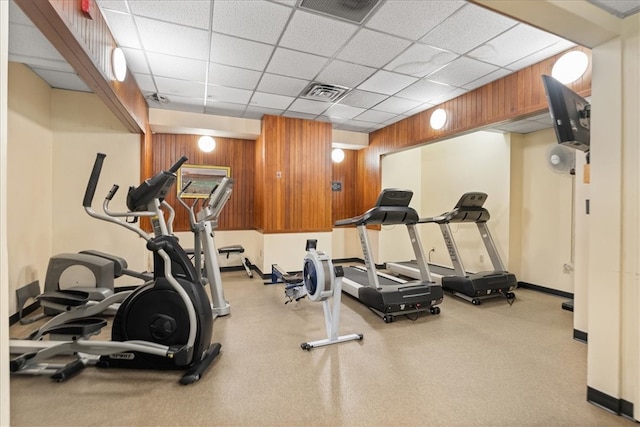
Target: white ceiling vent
{"points": [[324, 92], [351, 10]]}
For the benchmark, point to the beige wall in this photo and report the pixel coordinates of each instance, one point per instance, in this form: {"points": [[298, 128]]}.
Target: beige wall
{"points": [[53, 137], [546, 216], [439, 174], [400, 170], [614, 236], [30, 187], [82, 126]]}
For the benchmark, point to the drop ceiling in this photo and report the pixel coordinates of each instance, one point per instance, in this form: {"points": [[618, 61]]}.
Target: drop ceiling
{"points": [[246, 58]]}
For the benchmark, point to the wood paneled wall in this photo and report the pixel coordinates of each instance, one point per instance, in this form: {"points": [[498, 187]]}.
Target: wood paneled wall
{"points": [[86, 44], [344, 202], [515, 96], [237, 154], [295, 172]]}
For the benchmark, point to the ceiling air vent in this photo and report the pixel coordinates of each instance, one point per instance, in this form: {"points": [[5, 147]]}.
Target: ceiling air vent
{"points": [[351, 10], [157, 98], [324, 92]]}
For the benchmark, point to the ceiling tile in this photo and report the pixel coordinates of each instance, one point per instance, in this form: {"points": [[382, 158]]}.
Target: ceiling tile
{"points": [[179, 103], [524, 126], [119, 5], [397, 105], [420, 108], [375, 116], [513, 45], [172, 39], [255, 112], [468, 28], [265, 100], [240, 53], [186, 89], [193, 13], [387, 82], [295, 64], [420, 60], [540, 55], [362, 99], [344, 73], [316, 34], [372, 48], [281, 85], [354, 126], [297, 115], [394, 120], [29, 41], [309, 106], [461, 71], [344, 112], [226, 75], [499, 73], [411, 18], [424, 91], [177, 68], [228, 94], [136, 61], [17, 16], [225, 108], [255, 20], [123, 29], [62, 80], [447, 96], [145, 82]]}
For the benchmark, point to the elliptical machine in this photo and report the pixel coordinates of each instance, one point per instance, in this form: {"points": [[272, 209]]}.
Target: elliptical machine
{"points": [[164, 324], [203, 223]]}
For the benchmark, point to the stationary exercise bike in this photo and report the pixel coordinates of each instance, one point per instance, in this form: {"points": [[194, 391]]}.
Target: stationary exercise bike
{"points": [[164, 324]]}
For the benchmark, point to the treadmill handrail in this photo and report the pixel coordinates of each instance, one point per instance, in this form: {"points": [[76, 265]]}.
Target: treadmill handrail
{"points": [[383, 215]]}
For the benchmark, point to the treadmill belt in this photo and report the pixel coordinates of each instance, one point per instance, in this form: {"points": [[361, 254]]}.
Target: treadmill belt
{"points": [[361, 277]]}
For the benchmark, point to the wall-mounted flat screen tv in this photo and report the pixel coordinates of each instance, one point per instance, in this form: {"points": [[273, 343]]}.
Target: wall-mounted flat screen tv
{"points": [[570, 114]]}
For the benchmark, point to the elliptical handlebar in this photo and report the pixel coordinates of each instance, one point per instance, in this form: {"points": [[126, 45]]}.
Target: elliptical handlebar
{"points": [[93, 180], [176, 165]]}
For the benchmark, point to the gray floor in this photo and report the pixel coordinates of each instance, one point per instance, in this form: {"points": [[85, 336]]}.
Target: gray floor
{"points": [[486, 366]]}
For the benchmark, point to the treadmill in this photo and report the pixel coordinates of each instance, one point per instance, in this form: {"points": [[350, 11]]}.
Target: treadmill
{"points": [[473, 287], [386, 295]]}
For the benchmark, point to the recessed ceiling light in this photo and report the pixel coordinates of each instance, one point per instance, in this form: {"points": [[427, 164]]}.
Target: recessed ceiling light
{"points": [[206, 143], [438, 119], [570, 66], [119, 63]]}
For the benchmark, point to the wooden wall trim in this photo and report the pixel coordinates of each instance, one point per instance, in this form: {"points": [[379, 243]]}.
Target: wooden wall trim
{"points": [[513, 97], [86, 44]]}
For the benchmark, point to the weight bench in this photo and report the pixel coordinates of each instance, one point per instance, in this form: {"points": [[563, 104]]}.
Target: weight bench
{"points": [[238, 250]]}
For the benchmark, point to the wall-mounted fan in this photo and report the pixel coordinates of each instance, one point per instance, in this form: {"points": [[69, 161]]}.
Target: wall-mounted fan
{"points": [[561, 159]]}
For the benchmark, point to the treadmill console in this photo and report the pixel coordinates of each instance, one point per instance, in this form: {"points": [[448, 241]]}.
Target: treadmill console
{"points": [[471, 200], [394, 197]]}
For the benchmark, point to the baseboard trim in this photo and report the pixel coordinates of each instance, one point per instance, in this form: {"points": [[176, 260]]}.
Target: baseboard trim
{"points": [[580, 336], [610, 403], [545, 290]]}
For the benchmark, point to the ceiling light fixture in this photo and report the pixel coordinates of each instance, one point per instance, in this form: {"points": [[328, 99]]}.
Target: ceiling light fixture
{"points": [[570, 66], [206, 143], [438, 119], [337, 155], [119, 64]]}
